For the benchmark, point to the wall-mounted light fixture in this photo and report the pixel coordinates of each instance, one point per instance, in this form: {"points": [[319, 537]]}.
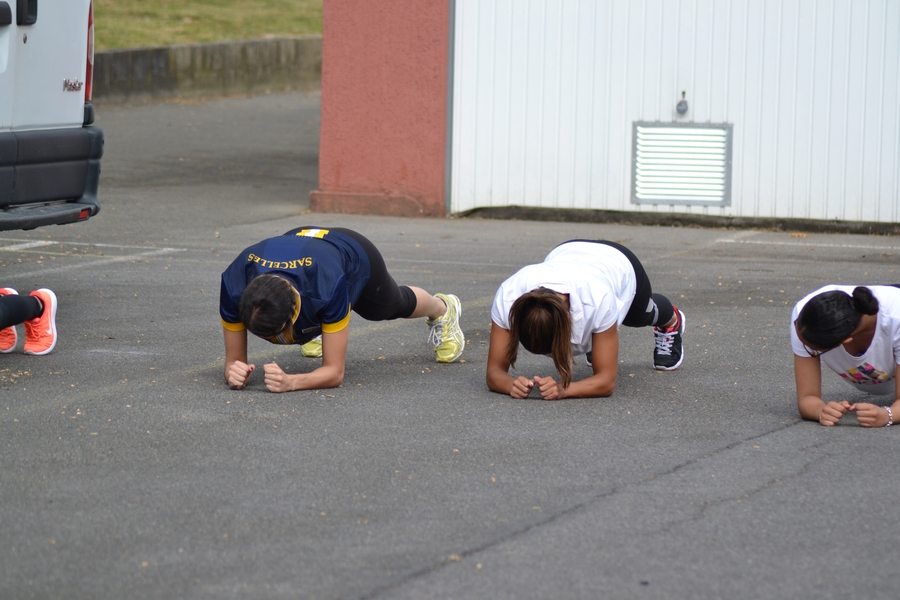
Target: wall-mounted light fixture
{"points": [[682, 106]]}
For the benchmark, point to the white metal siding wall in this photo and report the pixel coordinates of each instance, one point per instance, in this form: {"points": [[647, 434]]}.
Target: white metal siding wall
{"points": [[545, 93]]}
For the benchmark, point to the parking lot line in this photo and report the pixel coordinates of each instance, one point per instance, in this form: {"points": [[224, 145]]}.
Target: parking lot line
{"points": [[27, 245], [38, 273]]}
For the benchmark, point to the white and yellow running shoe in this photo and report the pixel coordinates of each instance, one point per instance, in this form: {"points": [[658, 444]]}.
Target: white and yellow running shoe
{"points": [[446, 336], [312, 348]]}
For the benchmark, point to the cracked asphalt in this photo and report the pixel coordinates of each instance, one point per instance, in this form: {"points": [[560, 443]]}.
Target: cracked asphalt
{"points": [[131, 471]]}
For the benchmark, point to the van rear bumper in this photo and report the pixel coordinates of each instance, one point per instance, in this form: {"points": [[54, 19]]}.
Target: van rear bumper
{"points": [[49, 177]]}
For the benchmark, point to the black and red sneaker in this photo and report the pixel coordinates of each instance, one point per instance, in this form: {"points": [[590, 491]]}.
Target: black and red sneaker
{"points": [[669, 351]]}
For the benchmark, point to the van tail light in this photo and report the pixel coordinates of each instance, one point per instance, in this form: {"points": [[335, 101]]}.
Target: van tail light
{"points": [[89, 71]]}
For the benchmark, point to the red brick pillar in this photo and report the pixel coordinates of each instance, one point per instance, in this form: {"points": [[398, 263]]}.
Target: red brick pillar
{"points": [[384, 107]]}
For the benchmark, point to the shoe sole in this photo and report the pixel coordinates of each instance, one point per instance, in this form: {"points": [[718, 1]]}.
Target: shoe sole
{"points": [[316, 352], [680, 360]]}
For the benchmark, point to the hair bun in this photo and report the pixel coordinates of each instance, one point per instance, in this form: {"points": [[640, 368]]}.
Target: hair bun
{"points": [[863, 301]]}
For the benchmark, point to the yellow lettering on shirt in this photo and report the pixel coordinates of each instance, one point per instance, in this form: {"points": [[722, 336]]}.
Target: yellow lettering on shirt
{"points": [[305, 261]]}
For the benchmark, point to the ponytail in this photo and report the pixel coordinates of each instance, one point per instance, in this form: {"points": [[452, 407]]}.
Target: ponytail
{"points": [[540, 321], [831, 317]]}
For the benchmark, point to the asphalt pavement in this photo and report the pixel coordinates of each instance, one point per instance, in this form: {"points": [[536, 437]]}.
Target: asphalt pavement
{"points": [[130, 470]]}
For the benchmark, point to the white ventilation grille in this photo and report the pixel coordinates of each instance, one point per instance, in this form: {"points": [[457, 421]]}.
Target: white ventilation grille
{"points": [[681, 164]]}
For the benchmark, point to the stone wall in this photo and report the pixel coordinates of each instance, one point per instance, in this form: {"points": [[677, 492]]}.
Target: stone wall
{"points": [[213, 69]]}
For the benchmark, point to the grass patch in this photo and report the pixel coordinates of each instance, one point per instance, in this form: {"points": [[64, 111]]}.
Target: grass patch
{"points": [[140, 23]]}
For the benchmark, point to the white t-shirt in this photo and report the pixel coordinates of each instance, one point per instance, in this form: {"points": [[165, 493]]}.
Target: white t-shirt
{"points": [[875, 369], [599, 280]]}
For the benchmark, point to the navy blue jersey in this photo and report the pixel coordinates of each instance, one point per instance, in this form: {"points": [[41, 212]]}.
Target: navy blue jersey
{"points": [[328, 268]]}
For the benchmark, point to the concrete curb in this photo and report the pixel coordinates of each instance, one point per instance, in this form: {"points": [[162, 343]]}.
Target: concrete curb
{"points": [[575, 215], [217, 68]]}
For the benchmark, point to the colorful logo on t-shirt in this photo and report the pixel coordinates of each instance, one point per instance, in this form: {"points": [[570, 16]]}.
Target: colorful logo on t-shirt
{"points": [[316, 233], [866, 374]]}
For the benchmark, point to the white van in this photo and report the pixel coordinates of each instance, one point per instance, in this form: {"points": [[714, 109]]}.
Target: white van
{"points": [[49, 152]]}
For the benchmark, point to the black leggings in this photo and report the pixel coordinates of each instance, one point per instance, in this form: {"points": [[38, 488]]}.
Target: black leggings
{"points": [[18, 309], [647, 309], [382, 299]]}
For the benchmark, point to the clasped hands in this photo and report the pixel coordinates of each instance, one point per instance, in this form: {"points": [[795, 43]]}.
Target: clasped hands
{"points": [[868, 415], [239, 373], [549, 388]]}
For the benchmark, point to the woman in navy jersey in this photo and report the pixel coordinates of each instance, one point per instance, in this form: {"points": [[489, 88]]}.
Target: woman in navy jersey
{"points": [[300, 287]]}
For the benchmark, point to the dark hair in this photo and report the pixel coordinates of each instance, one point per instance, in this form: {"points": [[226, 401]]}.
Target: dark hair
{"points": [[540, 321], [267, 305], [831, 317]]}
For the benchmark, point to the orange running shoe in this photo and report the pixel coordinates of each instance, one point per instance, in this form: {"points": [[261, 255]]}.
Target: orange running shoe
{"points": [[8, 337], [40, 333]]}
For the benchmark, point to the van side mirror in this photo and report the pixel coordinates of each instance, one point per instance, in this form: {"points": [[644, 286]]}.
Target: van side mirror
{"points": [[5, 14]]}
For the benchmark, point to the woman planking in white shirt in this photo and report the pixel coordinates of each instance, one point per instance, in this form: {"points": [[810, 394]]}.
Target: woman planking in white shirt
{"points": [[855, 331], [572, 304]]}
